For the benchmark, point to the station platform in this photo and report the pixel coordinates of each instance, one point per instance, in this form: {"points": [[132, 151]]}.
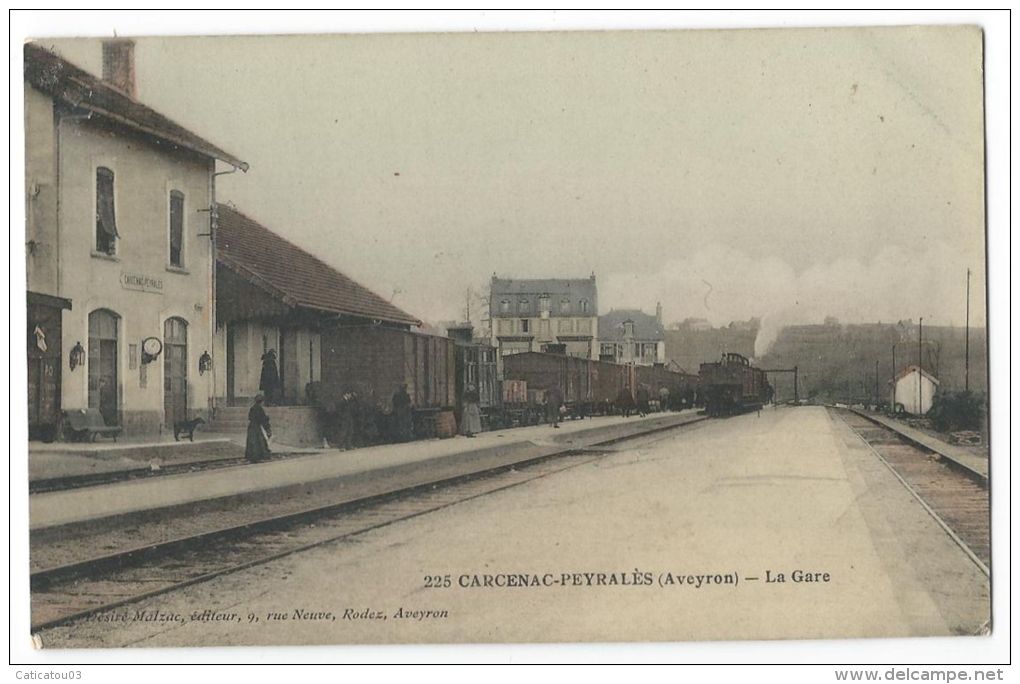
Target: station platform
{"points": [[411, 462], [961, 455], [48, 461]]}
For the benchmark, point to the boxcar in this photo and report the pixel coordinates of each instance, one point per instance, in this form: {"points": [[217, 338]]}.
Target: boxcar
{"points": [[476, 372], [570, 375], [733, 385], [608, 379], [375, 361]]}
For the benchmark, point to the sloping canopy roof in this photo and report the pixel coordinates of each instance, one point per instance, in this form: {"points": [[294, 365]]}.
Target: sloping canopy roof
{"points": [[293, 275], [646, 327], [58, 78], [913, 369]]}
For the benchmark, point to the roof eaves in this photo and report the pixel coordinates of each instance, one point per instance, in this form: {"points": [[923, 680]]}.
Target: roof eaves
{"points": [[255, 279]]}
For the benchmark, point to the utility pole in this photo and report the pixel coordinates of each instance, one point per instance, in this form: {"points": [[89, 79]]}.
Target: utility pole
{"points": [[920, 367], [876, 383], [966, 342], [893, 407]]}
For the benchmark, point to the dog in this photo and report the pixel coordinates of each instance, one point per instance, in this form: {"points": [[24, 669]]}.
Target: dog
{"points": [[187, 427]]}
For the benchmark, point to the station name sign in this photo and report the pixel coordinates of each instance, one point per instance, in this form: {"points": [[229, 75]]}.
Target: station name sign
{"points": [[141, 283]]}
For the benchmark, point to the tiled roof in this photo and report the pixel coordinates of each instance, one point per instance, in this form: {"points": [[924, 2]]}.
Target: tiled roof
{"points": [[58, 78], [577, 287], [292, 274], [580, 293], [646, 327]]}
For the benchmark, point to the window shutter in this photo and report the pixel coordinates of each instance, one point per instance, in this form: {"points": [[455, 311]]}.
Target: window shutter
{"points": [[106, 221]]}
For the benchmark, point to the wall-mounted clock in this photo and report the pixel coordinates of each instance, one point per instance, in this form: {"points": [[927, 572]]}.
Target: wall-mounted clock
{"points": [[151, 349]]}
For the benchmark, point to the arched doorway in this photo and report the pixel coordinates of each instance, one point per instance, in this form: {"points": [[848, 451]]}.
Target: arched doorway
{"points": [[104, 390], [175, 371]]}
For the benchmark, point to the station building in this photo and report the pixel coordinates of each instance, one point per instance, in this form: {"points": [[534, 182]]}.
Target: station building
{"points": [[118, 251], [914, 389]]}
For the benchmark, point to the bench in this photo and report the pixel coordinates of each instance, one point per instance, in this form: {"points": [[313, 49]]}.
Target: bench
{"points": [[87, 424]]}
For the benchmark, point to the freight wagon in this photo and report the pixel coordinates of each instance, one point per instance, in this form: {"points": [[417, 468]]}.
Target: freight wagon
{"points": [[476, 378], [570, 376], [375, 361], [733, 385], [614, 387]]}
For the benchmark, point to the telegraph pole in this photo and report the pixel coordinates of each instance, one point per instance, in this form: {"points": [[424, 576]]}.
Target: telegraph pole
{"points": [[966, 342], [893, 407], [920, 367], [876, 383]]}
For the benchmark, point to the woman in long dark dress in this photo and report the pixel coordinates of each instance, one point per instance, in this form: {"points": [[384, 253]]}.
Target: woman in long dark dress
{"points": [[403, 418], [269, 381], [256, 446]]}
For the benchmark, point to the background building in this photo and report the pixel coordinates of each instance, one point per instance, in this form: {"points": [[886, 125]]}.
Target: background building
{"points": [[632, 336], [914, 389], [544, 315], [119, 258]]}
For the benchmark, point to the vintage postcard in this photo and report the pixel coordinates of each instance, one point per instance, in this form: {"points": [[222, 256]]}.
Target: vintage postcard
{"points": [[594, 336]]}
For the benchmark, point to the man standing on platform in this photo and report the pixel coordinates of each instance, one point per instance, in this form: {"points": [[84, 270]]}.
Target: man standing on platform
{"points": [[403, 420]]}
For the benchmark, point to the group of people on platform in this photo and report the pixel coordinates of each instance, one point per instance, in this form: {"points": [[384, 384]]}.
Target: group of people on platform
{"points": [[352, 422], [349, 423]]}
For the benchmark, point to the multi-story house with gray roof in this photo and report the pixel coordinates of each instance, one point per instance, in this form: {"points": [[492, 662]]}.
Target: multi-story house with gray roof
{"points": [[632, 336], [549, 314]]}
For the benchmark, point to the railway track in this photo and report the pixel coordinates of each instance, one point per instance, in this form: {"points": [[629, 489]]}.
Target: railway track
{"points": [[82, 588], [955, 497]]}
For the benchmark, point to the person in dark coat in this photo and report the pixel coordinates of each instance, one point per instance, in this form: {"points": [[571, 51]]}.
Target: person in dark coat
{"points": [[624, 402], [642, 400], [345, 422], [256, 446], [553, 402], [403, 420], [269, 382]]}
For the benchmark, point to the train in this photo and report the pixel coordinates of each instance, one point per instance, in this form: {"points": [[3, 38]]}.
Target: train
{"points": [[732, 385], [367, 364]]}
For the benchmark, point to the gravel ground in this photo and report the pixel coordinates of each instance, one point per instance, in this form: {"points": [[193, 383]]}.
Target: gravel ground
{"points": [[788, 493]]}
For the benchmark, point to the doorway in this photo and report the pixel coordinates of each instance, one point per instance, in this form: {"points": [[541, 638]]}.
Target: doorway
{"points": [[175, 371], [103, 382]]}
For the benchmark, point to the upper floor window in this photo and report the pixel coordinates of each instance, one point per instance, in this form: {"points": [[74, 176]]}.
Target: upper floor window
{"points": [[523, 306], [176, 228], [564, 306], [543, 304], [584, 306], [504, 306], [106, 219]]}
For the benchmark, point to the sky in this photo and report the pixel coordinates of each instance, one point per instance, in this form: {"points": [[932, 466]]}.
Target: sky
{"points": [[784, 174]]}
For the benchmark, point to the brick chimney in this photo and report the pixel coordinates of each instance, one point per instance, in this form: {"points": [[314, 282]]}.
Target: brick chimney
{"points": [[119, 64]]}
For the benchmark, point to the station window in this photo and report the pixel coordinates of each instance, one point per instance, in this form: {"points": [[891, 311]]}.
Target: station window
{"points": [[523, 306], [106, 218], [176, 228], [584, 306], [544, 304], [565, 306], [504, 306], [525, 325]]}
